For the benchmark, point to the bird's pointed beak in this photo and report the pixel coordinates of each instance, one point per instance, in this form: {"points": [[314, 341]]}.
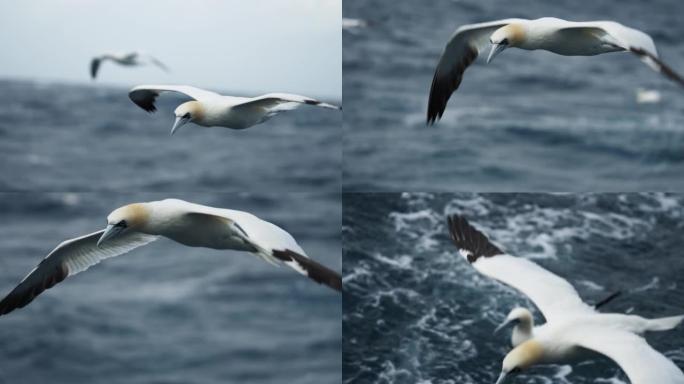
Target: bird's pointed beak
{"points": [[496, 49], [503, 325], [109, 232], [180, 121], [502, 378]]}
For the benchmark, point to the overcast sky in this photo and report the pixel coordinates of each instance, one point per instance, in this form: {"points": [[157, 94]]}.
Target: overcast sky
{"points": [[248, 46]]}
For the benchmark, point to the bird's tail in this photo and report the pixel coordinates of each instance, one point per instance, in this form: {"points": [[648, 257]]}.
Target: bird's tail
{"points": [[664, 323]]}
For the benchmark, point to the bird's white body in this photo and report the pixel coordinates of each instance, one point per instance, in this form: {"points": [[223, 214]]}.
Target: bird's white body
{"points": [[210, 109], [221, 112], [573, 328], [560, 37], [195, 225], [521, 333]]}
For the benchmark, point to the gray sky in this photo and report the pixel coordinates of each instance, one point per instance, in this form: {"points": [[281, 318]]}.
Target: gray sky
{"points": [[248, 46]]}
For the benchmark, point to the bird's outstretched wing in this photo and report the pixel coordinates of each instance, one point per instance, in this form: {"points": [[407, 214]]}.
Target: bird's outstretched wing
{"points": [[628, 39], [282, 101], [145, 95], [69, 258], [641, 363], [268, 241], [153, 60], [462, 49], [553, 295], [310, 268], [94, 66]]}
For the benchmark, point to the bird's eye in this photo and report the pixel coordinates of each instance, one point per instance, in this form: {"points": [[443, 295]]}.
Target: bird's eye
{"points": [[186, 116], [515, 370], [504, 42], [121, 224]]}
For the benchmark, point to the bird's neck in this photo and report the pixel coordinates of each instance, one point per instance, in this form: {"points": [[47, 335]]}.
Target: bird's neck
{"points": [[522, 332]]}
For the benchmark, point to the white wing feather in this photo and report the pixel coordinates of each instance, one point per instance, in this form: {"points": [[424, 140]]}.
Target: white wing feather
{"points": [[283, 101], [67, 259], [641, 363], [553, 295]]}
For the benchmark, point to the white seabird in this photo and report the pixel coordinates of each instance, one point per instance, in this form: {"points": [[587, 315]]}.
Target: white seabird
{"points": [[128, 59], [523, 323], [210, 109], [563, 37], [572, 326], [194, 225]]}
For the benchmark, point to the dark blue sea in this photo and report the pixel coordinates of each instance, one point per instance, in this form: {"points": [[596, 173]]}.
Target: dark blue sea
{"points": [[68, 137], [166, 313], [416, 312], [529, 121]]}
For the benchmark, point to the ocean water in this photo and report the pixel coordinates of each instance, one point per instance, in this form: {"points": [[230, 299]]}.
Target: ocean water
{"points": [[166, 313], [66, 137], [415, 312], [528, 121]]}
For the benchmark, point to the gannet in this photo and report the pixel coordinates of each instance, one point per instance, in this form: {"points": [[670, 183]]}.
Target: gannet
{"points": [[573, 327], [209, 109], [563, 37], [127, 59], [193, 225], [523, 323]]}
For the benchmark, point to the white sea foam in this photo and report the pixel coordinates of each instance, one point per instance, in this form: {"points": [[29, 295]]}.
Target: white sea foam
{"points": [[401, 262]]}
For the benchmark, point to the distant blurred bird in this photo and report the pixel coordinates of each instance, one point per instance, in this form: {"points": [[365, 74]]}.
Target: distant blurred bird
{"points": [[559, 36], [210, 109], [127, 59], [193, 225]]}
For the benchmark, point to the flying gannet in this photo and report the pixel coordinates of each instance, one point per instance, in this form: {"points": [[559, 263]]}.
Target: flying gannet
{"points": [[209, 109], [563, 37], [572, 326], [127, 59], [523, 323], [193, 225]]}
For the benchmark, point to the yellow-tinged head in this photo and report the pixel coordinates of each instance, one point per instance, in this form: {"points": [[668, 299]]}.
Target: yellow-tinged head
{"points": [[520, 358], [510, 35], [121, 220], [187, 112]]}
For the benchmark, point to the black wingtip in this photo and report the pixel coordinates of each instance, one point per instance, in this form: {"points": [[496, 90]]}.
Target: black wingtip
{"points": [[469, 239], [664, 69], [21, 296], [315, 271]]}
